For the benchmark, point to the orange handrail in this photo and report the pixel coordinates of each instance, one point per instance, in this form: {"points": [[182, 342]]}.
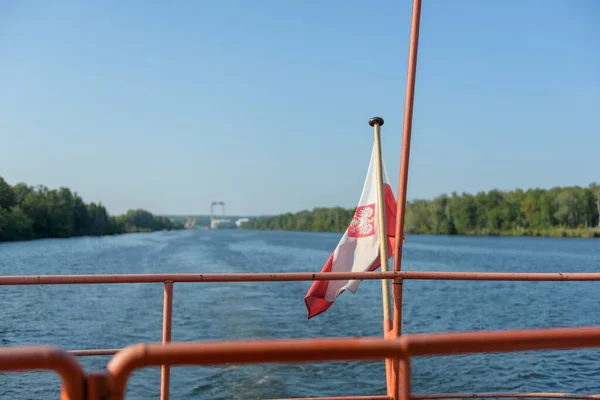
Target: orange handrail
{"points": [[50, 359], [341, 398], [169, 279], [122, 365], [112, 384], [22, 280], [243, 352], [509, 395]]}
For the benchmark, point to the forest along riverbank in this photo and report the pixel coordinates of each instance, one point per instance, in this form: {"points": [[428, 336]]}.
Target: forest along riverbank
{"points": [[28, 212], [572, 211]]}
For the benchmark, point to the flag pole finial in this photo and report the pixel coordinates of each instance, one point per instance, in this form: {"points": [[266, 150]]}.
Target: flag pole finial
{"points": [[376, 120]]}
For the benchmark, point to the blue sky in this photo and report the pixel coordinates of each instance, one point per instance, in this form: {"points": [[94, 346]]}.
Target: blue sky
{"points": [[264, 104]]}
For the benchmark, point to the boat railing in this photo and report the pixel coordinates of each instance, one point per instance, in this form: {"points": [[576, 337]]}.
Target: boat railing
{"points": [[401, 348], [47, 358], [111, 385]]}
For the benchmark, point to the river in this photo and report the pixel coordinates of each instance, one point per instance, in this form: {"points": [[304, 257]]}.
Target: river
{"points": [[109, 316]]}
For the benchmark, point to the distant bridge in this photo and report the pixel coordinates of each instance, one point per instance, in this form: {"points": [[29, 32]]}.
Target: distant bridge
{"points": [[222, 222], [213, 220]]}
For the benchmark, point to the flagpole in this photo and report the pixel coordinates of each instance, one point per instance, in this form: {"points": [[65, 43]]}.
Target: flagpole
{"points": [[376, 123]]}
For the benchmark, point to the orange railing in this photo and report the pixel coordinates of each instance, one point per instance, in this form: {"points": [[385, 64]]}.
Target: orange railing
{"points": [[356, 349], [473, 340], [47, 358], [111, 385]]}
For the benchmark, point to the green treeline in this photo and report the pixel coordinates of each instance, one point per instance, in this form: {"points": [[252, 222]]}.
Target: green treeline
{"points": [[38, 212], [561, 211]]}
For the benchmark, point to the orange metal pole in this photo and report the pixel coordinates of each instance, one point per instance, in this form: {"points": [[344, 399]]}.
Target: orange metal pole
{"points": [[407, 131], [243, 352], [533, 395], [50, 359], [165, 378], [340, 398], [404, 378], [93, 352], [125, 362], [97, 386], [439, 344], [22, 280], [403, 182]]}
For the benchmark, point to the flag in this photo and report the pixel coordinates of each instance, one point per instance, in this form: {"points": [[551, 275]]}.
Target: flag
{"points": [[358, 250]]}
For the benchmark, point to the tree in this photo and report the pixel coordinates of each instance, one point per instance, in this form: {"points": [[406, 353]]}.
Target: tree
{"points": [[595, 187], [7, 195], [566, 214], [417, 217], [38, 212], [21, 190]]}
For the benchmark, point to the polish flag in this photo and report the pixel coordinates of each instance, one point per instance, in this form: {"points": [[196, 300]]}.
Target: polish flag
{"points": [[358, 250]]}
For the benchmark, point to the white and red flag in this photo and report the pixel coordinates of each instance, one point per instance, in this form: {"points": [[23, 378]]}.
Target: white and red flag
{"points": [[358, 250]]}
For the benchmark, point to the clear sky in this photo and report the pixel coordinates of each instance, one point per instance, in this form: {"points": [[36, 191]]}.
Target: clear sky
{"points": [[264, 104]]}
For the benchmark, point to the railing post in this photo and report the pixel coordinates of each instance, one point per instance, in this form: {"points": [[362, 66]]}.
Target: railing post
{"points": [[165, 377], [404, 378], [65, 395], [97, 386]]}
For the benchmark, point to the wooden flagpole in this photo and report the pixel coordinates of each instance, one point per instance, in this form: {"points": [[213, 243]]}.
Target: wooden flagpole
{"points": [[376, 123]]}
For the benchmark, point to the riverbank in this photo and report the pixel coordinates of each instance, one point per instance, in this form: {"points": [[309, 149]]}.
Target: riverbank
{"points": [[572, 211], [119, 225], [28, 213], [585, 233], [553, 233], [557, 233]]}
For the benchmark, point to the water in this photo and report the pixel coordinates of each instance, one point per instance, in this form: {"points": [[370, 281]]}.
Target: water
{"points": [[108, 316]]}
